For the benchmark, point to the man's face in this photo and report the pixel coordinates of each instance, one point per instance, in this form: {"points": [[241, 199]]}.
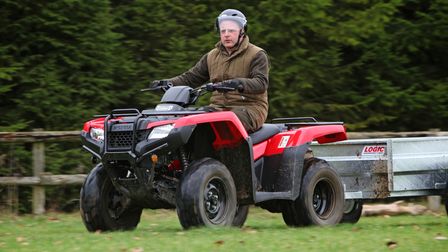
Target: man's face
{"points": [[229, 31]]}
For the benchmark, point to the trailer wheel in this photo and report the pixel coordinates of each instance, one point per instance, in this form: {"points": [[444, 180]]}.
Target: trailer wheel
{"points": [[287, 215], [240, 216], [321, 200], [103, 207], [446, 198], [206, 195], [290, 215], [352, 211], [446, 205]]}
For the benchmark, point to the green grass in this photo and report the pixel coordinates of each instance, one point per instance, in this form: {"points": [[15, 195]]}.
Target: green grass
{"points": [[263, 231]]}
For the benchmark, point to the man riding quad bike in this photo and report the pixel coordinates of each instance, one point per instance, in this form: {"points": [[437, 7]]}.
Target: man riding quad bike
{"points": [[204, 164]]}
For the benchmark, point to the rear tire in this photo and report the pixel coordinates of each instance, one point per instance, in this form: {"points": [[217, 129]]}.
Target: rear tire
{"points": [[103, 207], [206, 195], [321, 199], [352, 211]]}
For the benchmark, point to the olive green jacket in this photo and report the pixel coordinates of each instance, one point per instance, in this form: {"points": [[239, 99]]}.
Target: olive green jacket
{"points": [[250, 65]]}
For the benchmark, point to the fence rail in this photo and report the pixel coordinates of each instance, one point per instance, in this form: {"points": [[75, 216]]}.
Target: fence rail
{"points": [[39, 136], [40, 179], [45, 180]]}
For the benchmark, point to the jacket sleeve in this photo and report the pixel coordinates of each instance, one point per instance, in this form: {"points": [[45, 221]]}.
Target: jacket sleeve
{"points": [[258, 80], [196, 76]]}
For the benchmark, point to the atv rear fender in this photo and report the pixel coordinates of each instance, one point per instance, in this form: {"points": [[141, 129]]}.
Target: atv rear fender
{"points": [[280, 160], [305, 135]]}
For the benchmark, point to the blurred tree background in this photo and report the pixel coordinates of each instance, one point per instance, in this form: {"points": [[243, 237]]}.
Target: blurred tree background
{"points": [[376, 65]]}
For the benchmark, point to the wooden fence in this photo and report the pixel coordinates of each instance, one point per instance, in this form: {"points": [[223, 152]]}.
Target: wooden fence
{"points": [[40, 179]]}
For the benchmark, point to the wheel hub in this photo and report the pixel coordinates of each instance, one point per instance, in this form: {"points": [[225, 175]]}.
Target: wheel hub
{"points": [[214, 199], [322, 198]]}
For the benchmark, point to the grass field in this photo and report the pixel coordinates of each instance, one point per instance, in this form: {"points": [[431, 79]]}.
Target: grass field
{"points": [[263, 231]]}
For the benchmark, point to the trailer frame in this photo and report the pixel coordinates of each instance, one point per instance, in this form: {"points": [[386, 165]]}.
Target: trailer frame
{"points": [[389, 167]]}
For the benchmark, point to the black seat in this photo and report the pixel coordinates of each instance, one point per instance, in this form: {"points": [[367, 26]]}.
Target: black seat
{"points": [[265, 132]]}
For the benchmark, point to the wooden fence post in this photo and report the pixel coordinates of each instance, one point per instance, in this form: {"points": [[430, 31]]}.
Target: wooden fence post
{"points": [[38, 169]]}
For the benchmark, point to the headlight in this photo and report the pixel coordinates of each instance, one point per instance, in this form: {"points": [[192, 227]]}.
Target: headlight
{"points": [[97, 134], [160, 131]]}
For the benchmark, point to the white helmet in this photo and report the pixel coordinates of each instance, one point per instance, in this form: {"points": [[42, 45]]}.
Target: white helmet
{"points": [[234, 15]]}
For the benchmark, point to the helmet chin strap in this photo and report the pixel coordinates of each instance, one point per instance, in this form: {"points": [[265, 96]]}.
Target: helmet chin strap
{"points": [[239, 38]]}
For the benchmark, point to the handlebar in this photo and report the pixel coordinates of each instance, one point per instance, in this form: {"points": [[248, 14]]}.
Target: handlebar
{"points": [[179, 95], [218, 87], [165, 86], [209, 87]]}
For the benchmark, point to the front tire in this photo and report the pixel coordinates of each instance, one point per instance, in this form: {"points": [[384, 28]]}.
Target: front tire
{"points": [[103, 207], [206, 195]]}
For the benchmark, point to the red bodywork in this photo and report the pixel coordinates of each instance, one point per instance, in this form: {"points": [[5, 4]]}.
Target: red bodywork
{"points": [[277, 144], [227, 127], [95, 123], [230, 132]]}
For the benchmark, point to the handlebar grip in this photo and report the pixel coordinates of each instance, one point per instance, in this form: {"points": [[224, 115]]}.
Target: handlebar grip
{"points": [[218, 86]]}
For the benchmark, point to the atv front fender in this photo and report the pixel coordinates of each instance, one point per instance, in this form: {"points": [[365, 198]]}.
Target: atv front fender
{"points": [[177, 138]]}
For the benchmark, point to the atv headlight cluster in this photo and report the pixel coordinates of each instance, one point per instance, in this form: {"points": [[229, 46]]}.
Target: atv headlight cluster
{"points": [[160, 131], [97, 134]]}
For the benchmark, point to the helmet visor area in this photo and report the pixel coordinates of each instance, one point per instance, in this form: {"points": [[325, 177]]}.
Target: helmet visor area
{"points": [[240, 21]]}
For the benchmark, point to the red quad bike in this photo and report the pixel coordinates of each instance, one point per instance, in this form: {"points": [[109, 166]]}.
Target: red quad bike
{"points": [[205, 165]]}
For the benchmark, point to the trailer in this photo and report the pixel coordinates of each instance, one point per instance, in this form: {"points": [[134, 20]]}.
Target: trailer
{"points": [[388, 167]]}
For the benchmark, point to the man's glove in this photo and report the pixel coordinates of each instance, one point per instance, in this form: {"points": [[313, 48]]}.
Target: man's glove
{"points": [[161, 84], [232, 84]]}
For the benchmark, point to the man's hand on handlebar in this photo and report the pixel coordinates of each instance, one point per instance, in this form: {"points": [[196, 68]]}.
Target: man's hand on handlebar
{"points": [[159, 85], [225, 86]]}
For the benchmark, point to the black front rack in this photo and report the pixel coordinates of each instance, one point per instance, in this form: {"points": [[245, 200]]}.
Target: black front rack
{"points": [[173, 113], [122, 112], [125, 112]]}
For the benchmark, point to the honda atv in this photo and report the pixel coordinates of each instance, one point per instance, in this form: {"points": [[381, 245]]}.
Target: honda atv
{"points": [[204, 164]]}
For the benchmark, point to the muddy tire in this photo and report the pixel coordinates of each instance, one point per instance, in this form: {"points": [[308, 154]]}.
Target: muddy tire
{"points": [[290, 215], [103, 207], [352, 211], [321, 199], [240, 216], [206, 195]]}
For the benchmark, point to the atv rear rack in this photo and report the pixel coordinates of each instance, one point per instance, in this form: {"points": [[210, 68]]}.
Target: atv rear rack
{"points": [[297, 122]]}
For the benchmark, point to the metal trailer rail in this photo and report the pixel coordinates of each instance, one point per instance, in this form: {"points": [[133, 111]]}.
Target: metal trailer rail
{"points": [[389, 167]]}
